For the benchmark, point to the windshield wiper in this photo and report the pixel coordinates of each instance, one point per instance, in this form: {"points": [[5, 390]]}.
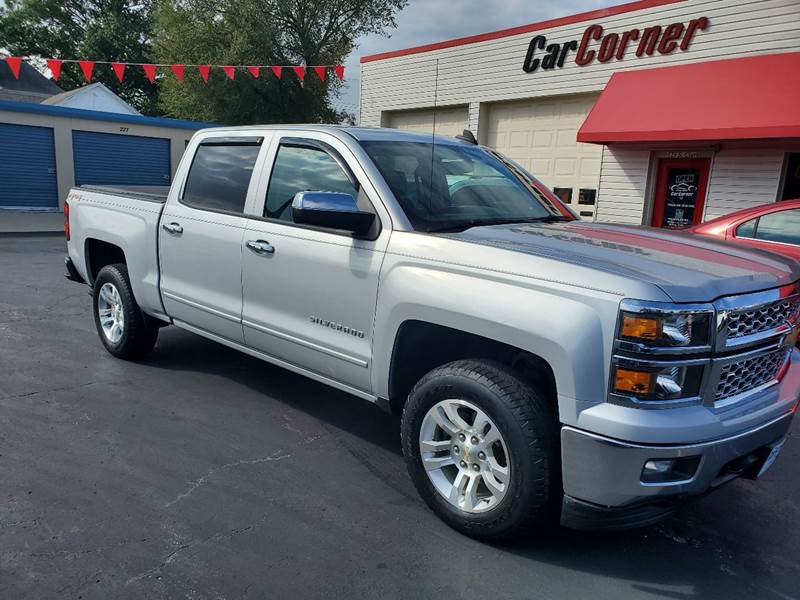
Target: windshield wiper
{"points": [[464, 225]]}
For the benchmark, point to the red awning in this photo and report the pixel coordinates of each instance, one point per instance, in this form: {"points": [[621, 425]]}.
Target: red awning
{"points": [[743, 98]]}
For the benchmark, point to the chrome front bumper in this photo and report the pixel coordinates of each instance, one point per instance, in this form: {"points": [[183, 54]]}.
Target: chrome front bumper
{"points": [[603, 476]]}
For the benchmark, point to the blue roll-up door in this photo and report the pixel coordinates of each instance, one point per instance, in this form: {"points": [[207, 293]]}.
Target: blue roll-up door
{"points": [[113, 159], [27, 167]]}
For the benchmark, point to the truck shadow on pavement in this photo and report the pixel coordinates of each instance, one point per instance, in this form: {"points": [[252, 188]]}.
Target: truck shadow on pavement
{"points": [[699, 553]]}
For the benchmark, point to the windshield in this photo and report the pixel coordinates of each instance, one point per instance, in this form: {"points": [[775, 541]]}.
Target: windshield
{"points": [[451, 186]]}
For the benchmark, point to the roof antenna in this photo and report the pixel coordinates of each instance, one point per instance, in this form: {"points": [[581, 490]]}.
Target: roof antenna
{"points": [[433, 135], [467, 136]]}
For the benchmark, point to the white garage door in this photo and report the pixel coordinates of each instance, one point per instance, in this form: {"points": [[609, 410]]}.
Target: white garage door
{"points": [[541, 136], [450, 120]]}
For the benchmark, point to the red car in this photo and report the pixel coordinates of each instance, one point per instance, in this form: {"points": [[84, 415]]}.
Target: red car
{"points": [[774, 227]]}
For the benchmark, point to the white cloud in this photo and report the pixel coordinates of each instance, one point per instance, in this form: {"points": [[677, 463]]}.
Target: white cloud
{"points": [[429, 21]]}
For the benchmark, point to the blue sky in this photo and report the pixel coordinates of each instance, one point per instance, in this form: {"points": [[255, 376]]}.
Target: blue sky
{"points": [[428, 21]]}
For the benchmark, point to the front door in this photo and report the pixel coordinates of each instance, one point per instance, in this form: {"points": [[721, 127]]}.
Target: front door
{"points": [[310, 293], [680, 192]]}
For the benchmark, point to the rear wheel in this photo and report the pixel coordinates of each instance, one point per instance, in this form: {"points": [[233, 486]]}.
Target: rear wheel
{"points": [[481, 446], [124, 329]]}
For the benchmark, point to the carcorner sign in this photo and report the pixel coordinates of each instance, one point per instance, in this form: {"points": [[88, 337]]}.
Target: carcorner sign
{"points": [[597, 45]]}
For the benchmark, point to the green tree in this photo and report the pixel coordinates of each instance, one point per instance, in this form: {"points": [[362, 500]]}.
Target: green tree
{"points": [[112, 30], [261, 32]]}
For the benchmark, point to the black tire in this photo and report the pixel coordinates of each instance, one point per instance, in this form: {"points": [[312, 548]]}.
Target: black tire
{"points": [[528, 423], [140, 331]]}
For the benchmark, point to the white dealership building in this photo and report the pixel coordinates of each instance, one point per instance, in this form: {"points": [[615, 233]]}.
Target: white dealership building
{"points": [[662, 112]]}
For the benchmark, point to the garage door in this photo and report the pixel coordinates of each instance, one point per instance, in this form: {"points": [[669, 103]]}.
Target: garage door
{"points": [[112, 159], [450, 121], [27, 168], [541, 136]]}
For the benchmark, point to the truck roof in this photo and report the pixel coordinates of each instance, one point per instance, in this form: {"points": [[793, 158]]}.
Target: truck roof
{"points": [[358, 133]]}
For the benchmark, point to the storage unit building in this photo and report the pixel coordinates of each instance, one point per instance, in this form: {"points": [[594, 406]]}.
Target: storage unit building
{"points": [[47, 150], [527, 91]]}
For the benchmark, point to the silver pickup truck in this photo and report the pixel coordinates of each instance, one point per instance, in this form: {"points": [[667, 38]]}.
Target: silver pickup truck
{"points": [[547, 369]]}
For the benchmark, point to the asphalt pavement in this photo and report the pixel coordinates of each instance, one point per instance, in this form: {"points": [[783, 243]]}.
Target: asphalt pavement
{"points": [[203, 473]]}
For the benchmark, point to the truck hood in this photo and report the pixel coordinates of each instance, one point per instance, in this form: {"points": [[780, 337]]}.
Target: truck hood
{"points": [[687, 267]]}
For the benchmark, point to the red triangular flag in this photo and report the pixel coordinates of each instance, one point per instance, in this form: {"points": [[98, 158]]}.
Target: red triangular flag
{"points": [[339, 69], [119, 70], [14, 63], [277, 71], [150, 71], [300, 72], [55, 67], [178, 70], [228, 71], [320, 71], [253, 71], [204, 71], [87, 66]]}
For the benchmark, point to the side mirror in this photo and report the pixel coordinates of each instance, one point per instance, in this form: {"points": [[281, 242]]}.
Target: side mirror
{"points": [[331, 209]]}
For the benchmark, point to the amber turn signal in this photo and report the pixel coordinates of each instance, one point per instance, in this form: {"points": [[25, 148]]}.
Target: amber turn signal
{"points": [[643, 328], [633, 382]]}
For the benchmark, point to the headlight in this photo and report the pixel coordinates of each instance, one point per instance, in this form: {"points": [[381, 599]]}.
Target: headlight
{"points": [[652, 382], [650, 327], [660, 353]]}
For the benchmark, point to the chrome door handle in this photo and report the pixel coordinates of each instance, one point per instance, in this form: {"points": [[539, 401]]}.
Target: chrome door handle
{"points": [[260, 246], [174, 228]]}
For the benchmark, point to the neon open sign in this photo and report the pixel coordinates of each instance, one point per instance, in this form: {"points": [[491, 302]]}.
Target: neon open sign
{"points": [[597, 45]]}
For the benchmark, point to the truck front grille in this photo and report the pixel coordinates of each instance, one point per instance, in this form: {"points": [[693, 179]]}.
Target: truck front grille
{"points": [[739, 377], [761, 318]]}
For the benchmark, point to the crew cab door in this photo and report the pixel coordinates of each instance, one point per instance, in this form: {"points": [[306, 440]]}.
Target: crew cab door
{"points": [[201, 232], [310, 293]]}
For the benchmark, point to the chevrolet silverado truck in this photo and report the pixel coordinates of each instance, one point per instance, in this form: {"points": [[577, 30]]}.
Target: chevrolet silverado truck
{"points": [[547, 369]]}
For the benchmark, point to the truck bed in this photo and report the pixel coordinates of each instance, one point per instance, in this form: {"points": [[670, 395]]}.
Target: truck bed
{"points": [[148, 193]]}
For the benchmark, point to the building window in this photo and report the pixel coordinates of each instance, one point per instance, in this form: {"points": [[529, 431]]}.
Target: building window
{"points": [[791, 180], [587, 196], [564, 194]]}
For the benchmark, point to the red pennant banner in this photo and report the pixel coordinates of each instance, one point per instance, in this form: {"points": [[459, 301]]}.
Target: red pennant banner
{"points": [[119, 70], [300, 72], [14, 63], [278, 71], [228, 71], [339, 70], [55, 67], [204, 71], [87, 66], [178, 70], [320, 71], [253, 71], [150, 72]]}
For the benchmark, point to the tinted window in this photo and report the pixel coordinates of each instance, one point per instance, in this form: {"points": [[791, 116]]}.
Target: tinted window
{"points": [[302, 169], [219, 176], [446, 186], [782, 226], [747, 229]]}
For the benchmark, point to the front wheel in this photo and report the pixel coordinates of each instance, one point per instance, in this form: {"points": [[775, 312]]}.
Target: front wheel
{"points": [[124, 329], [481, 446]]}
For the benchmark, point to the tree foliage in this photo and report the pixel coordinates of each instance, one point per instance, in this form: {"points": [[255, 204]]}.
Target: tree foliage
{"points": [[261, 32], [113, 30], [223, 32]]}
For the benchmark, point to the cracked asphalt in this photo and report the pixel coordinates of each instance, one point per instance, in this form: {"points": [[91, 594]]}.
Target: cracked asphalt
{"points": [[203, 473]]}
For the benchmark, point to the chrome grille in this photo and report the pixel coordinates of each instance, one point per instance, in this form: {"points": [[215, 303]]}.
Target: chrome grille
{"points": [[762, 318], [739, 377]]}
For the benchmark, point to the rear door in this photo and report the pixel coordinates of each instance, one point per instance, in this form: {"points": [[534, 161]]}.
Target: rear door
{"points": [[200, 237], [311, 301]]}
